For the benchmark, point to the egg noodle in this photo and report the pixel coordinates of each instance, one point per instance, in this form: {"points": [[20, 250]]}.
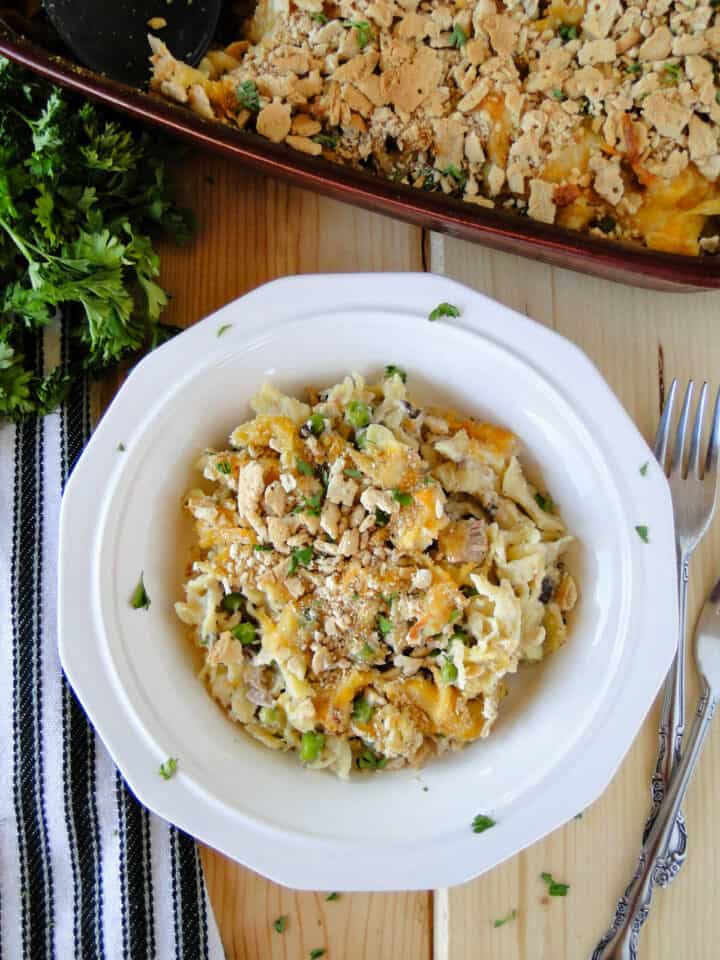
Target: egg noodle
{"points": [[368, 572]]}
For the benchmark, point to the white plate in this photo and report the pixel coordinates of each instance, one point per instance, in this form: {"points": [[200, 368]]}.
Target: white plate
{"points": [[568, 721]]}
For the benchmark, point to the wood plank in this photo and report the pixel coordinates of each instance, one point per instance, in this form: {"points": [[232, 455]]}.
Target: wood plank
{"points": [[252, 229], [629, 334]]}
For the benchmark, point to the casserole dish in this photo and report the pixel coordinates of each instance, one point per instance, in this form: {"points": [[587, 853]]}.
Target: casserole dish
{"points": [[494, 228]]}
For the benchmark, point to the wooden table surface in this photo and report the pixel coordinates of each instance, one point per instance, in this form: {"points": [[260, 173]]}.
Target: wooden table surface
{"points": [[253, 229]]}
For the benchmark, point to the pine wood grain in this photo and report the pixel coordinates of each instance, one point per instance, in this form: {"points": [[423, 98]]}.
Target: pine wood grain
{"points": [[252, 229], [633, 336]]}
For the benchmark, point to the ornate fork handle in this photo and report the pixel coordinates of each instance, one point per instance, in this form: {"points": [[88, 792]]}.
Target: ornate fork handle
{"points": [[670, 735], [621, 942]]}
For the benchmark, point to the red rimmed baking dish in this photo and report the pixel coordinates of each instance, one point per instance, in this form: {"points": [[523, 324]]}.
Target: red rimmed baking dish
{"points": [[435, 211]]}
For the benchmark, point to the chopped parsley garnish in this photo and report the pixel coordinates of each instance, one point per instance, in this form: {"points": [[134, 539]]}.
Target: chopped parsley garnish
{"points": [[385, 626], [280, 924], [305, 468], [643, 532], [545, 503], [352, 472], [319, 17], [458, 176], [458, 37], [121, 448], [606, 224], [262, 546], [326, 140], [506, 919], [362, 710], [634, 68], [555, 889], [223, 466], [300, 556], [223, 329], [310, 505], [357, 414], [467, 591], [567, 32], [381, 518], [672, 73], [404, 499], [644, 469], [448, 671], [444, 310], [317, 952], [168, 768], [392, 371], [248, 97], [245, 633], [481, 823], [454, 615], [332, 896], [363, 31], [232, 602], [367, 653], [139, 599], [272, 716], [312, 744], [558, 94], [316, 424], [370, 761]]}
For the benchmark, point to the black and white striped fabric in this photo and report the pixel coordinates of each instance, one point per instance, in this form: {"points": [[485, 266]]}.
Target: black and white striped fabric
{"points": [[85, 870]]}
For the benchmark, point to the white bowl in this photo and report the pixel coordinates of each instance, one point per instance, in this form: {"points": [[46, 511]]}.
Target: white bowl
{"points": [[567, 722]]}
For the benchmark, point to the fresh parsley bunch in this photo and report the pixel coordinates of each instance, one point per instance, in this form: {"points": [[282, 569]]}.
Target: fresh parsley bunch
{"points": [[78, 194]]}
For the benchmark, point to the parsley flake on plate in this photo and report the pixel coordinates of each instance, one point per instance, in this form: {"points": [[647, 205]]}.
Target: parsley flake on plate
{"points": [[458, 37], [305, 468], [363, 31], [280, 924], [643, 532], [140, 599], [385, 626], [444, 310], [481, 823], [644, 469], [248, 96], [545, 503], [332, 896], [392, 371], [300, 557], [223, 329], [404, 499], [168, 768], [317, 952]]}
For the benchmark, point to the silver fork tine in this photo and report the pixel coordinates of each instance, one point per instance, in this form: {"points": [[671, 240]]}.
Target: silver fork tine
{"points": [[711, 460], [696, 439], [663, 431], [678, 455]]}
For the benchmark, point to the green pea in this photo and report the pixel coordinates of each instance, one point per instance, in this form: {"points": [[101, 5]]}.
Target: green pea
{"points": [[362, 710], [271, 716], [312, 744], [245, 633], [232, 602], [357, 414]]}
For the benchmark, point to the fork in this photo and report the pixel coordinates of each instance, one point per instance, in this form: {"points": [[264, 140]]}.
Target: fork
{"points": [[622, 941], [693, 484]]}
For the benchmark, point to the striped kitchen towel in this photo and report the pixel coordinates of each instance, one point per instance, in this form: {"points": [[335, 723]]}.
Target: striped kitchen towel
{"points": [[85, 870]]}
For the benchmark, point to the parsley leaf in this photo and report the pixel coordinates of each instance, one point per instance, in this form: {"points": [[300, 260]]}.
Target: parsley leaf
{"points": [[443, 310], [643, 532], [555, 889], [370, 761], [139, 599], [325, 140], [404, 499], [392, 371], [481, 823], [363, 31], [352, 472], [567, 32], [248, 96], [332, 896], [223, 466], [644, 469], [300, 556], [458, 37], [79, 194], [319, 17], [458, 176], [317, 952], [305, 468], [506, 919], [168, 768], [385, 626], [381, 518], [280, 924], [223, 329], [545, 503]]}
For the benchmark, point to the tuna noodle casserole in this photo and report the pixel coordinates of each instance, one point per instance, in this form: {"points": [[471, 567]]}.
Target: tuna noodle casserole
{"points": [[368, 572], [600, 115]]}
